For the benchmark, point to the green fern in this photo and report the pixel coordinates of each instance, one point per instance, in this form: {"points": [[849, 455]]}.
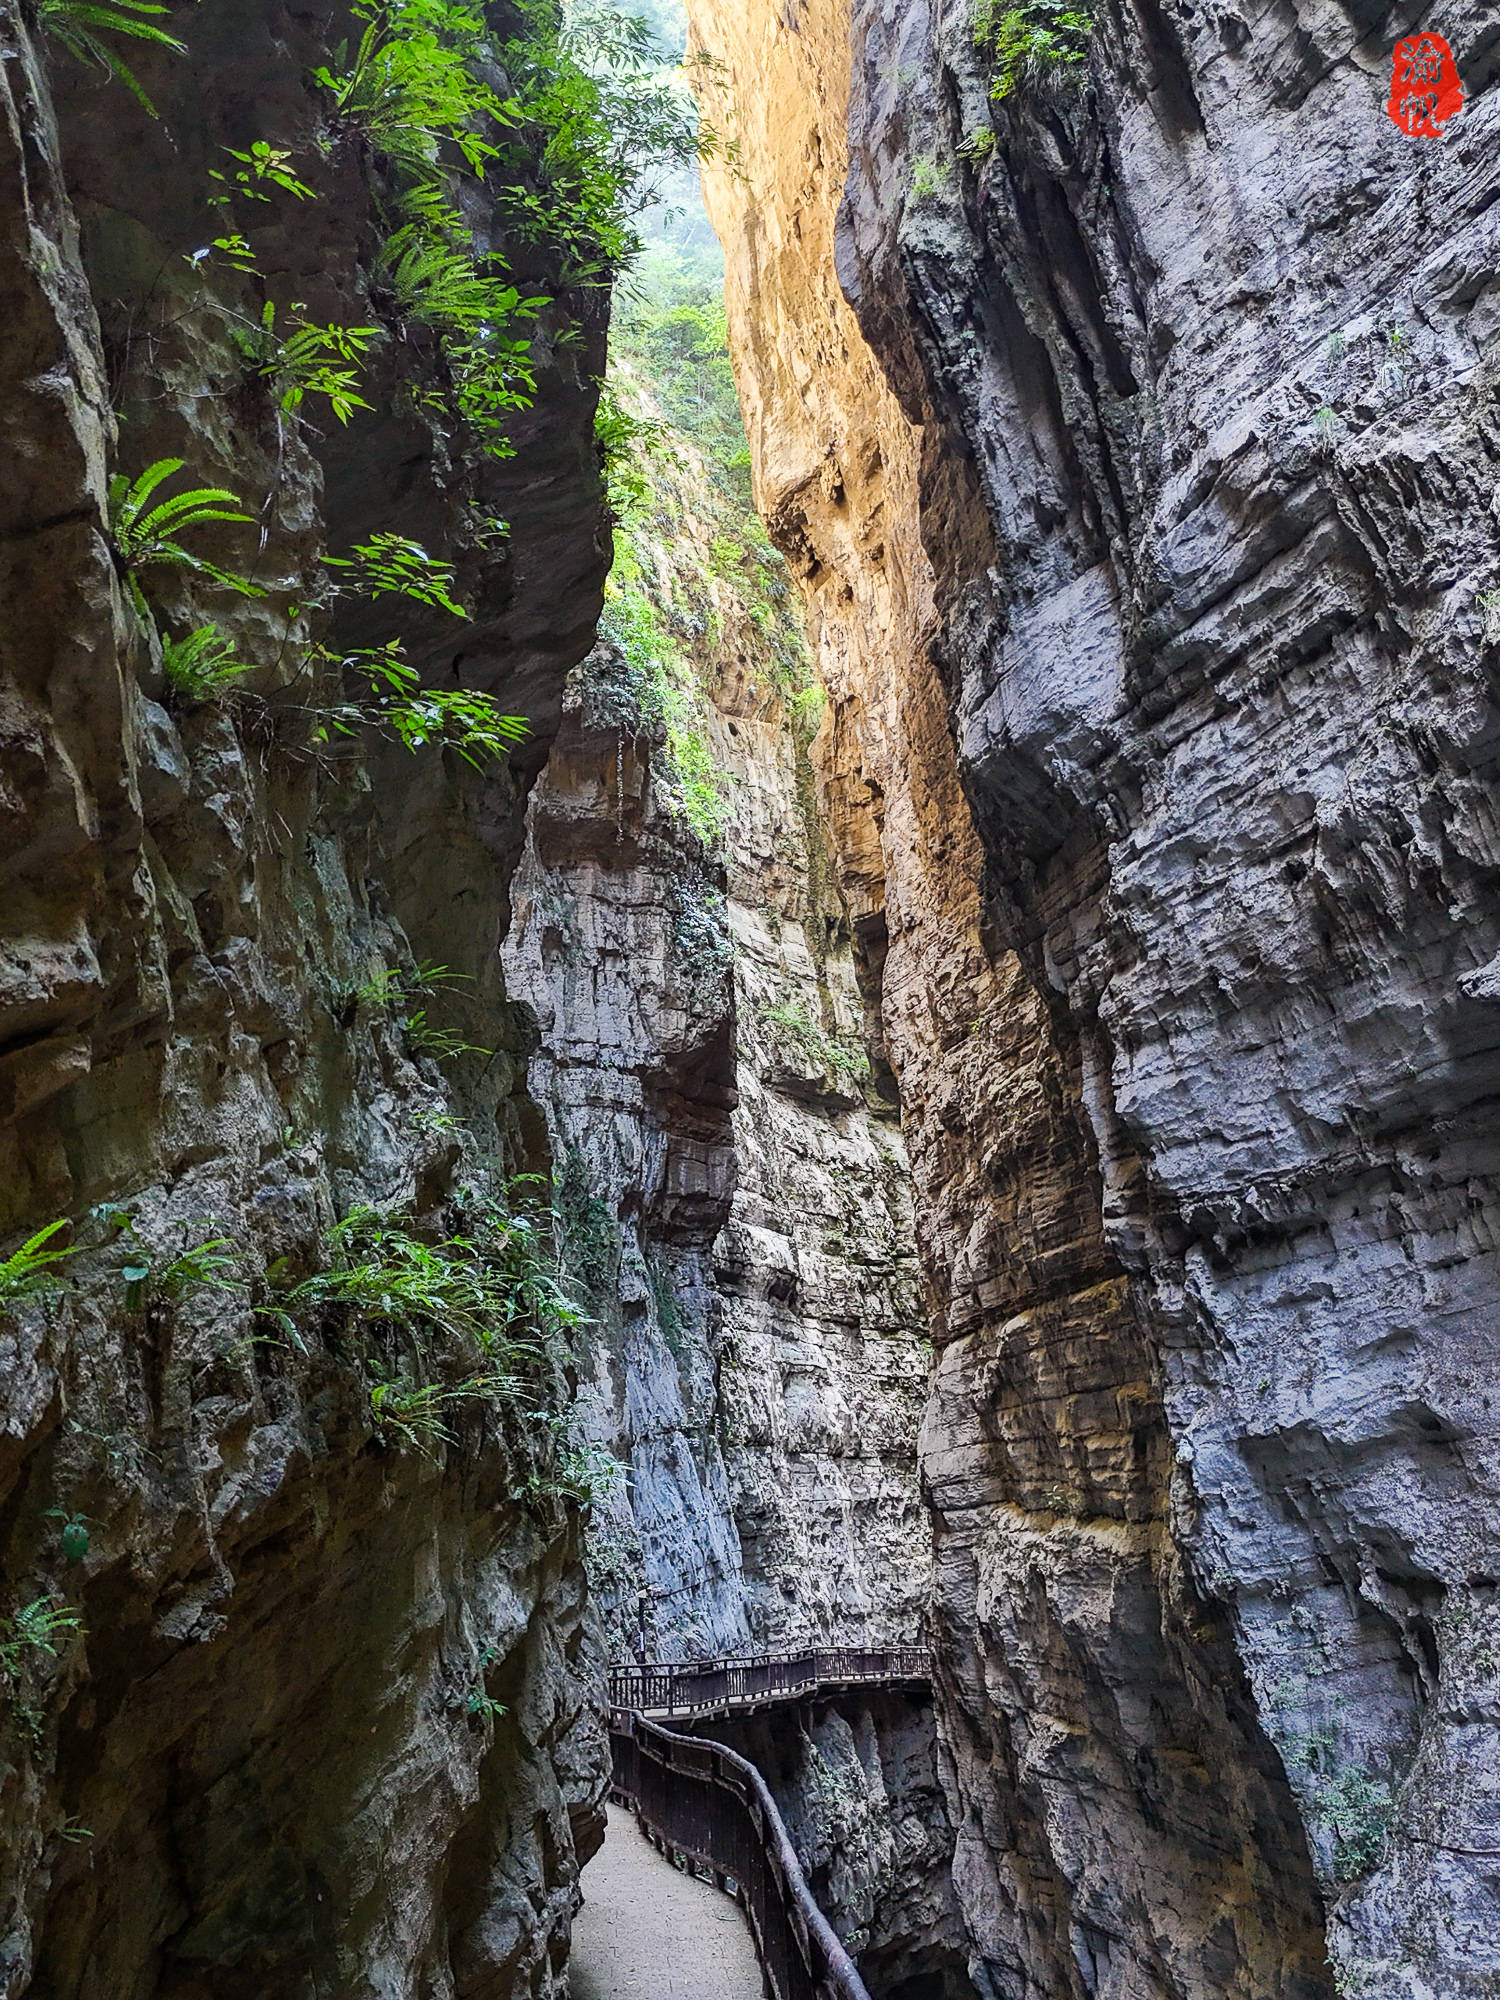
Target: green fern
{"points": [[77, 24], [202, 665], [33, 1268], [1039, 42], [409, 87], [145, 528], [437, 285]]}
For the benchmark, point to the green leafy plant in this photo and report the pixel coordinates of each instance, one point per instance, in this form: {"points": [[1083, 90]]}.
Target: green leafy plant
{"points": [[412, 1414], [821, 1050], [479, 1701], [34, 1268], [1038, 43], [74, 1537], [391, 565], [202, 665], [487, 1288], [209, 1265], [261, 167], [926, 182], [396, 703], [145, 528], [436, 283], [33, 1629], [311, 360], [622, 440], [79, 24], [640, 682], [410, 86], [393, 982], [428, 1040], [1357, 1811]]}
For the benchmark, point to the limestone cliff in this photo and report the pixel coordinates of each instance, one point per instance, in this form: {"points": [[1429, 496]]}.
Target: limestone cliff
{"points": [[733, 1181], [1133, 438], [297, 1694]]}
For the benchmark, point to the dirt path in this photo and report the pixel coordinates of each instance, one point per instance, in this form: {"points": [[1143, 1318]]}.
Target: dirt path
{"points": [[648, 1932]]}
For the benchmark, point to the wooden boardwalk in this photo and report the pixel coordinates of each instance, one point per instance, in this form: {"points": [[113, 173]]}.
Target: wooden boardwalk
{"points": [[649, 1932]]}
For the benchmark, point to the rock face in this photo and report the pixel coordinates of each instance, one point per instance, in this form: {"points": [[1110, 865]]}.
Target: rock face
{"points": [[302, 1699], [857, 1783], [1138, 465], [734, 1184]]}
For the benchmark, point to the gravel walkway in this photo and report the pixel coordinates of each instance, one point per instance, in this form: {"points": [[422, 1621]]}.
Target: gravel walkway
{"points": [[648, 1932]]}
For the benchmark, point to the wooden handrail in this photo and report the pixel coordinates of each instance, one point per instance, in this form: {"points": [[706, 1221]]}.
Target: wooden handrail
{"points": [[692, 1687], [706, 1804]]}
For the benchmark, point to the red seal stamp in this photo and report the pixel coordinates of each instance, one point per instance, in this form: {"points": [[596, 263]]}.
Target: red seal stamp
{"points": [[1426, 90]]}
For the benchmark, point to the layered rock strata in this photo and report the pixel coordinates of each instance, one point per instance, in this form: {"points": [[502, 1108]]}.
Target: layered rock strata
{"points": [[738, 1184], [1140, 492], [299, 1695]]}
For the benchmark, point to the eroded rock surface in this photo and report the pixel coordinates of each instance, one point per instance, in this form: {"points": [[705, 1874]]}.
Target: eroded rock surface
{"points": [[1140, 485], [319, 1713], [739, 1184]]}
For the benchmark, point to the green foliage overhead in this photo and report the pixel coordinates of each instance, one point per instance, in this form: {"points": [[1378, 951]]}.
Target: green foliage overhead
{"points": [[79, 24], [1040, 41]]}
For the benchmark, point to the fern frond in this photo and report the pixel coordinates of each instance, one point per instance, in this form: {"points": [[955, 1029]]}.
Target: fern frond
{"points": [[77, 25]]}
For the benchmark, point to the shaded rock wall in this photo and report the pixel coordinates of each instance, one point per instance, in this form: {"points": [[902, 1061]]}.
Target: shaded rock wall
{"points": [[741, 1185], [325, 1719], [857, 1781], [1141, 494]]}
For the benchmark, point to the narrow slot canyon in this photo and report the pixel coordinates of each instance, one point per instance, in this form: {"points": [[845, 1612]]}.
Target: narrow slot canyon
{"points": [[748, 975]]}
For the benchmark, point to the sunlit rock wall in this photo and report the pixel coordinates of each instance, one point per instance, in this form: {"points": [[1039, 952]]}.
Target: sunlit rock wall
{"points": [[1141, 493]]}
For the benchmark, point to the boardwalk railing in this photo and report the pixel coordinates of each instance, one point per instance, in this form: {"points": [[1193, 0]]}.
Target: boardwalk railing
{"points": [[691, 1687], [704, 1803]]}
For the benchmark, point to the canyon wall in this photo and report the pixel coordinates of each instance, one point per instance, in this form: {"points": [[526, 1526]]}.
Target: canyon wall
{"points": [[1133, 440], [733, 1185], [297, 1690]]}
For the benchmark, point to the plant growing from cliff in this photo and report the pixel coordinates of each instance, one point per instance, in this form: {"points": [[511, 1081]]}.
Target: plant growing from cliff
{"points": [[587, 1229], [78, 25], [410, 87], [202, 665], [35, 1268], [1040, 42], [208, 1265], [413, 1414], [428, 1040], [310, 360], [796, 1026], [34, 1634], [394, 702], [144, 528], [391, 565], [614, 121], [926, 182], [490, 1288]]}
